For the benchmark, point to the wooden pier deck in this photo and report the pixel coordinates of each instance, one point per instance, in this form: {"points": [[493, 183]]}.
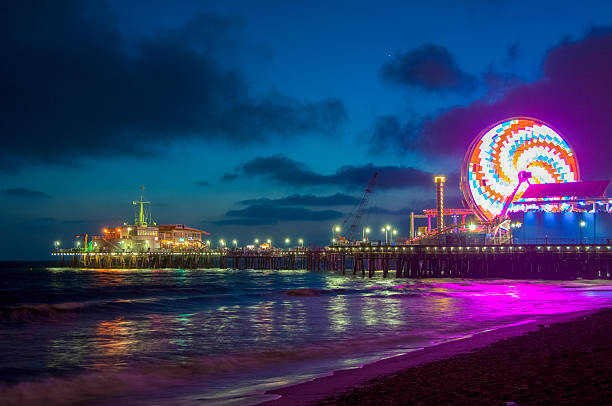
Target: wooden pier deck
{"points": [[411, 261]]}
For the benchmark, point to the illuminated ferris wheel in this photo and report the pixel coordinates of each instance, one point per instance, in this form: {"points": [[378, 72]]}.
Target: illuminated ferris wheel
{"points": [[504, 156]]}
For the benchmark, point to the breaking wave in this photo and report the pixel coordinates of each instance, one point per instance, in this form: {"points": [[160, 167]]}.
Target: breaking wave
{"points": [[42, 311], [99, 385]]}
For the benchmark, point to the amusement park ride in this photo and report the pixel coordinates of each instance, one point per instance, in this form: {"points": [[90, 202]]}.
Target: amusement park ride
{"points": [[518, 164]]}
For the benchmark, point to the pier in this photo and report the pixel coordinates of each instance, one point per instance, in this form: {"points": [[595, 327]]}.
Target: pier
{"points": [[409, 261]]}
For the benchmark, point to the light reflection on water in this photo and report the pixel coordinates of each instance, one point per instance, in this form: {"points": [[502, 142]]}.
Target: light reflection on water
{"points": [[211, 332]]}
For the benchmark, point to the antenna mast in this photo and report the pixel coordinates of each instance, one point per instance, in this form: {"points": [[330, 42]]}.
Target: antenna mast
{"points": [[141, 219]]}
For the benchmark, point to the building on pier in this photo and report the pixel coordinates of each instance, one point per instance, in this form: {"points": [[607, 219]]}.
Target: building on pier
{"points": [[131, 238], [180, 236], [146, 236]]}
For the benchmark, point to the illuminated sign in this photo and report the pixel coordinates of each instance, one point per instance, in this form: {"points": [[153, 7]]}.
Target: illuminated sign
{"points": [[490, 171]]}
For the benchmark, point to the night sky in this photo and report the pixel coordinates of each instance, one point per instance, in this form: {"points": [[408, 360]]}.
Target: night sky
{"points": [[267, 119]]}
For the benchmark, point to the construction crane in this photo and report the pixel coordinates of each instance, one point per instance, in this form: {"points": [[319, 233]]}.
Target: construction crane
{"points": [[353, 220]]}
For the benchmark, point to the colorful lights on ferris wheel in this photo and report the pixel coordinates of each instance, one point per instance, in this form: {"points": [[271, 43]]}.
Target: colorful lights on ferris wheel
{"points": [[490, 171]]}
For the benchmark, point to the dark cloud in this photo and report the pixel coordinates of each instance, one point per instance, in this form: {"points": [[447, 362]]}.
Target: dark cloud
{"points": [[338, 199], [229, 177], [430, 67], [24, 192], [513, 52], [203, 183], [397, 212], [270, 214], [574, 96], [73, 88], [389, 134], [498, 84], [287, 171]]}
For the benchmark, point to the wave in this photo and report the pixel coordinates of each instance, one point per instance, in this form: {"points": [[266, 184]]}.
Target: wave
{"points": [[371, 291], [88, 387], [42, 311], [304, 292], [38, 312]]}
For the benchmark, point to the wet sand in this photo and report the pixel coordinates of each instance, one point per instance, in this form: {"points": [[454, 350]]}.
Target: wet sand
{"points": [[551, 360]]}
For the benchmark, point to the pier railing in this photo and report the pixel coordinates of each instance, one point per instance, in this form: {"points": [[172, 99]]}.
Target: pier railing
{"points": [[541, 261]]}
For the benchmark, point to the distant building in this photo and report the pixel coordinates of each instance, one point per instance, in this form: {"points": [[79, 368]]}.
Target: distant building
{"points": [[180, 236], [128, 238], [145, 235]]}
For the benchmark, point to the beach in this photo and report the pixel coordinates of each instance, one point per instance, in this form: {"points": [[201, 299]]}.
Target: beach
{"points": [[550, 360]]}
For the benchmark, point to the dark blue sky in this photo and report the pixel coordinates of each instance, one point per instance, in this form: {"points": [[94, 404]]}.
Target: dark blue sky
{"points": [[243, 117]]}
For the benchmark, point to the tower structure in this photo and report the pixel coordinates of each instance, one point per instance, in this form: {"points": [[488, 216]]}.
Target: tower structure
{"points": [[439, 180], [142, 218]]}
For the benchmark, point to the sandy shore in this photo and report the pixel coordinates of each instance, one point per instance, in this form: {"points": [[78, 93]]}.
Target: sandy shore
{"points": [[550, 360]]}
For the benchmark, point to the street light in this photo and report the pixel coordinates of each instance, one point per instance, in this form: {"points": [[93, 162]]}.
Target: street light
{"points": [[335, 231], [235, 242], [287, 241], [222, 243], [386, 230], [582, 224], [366, 230], [394, 232], [256, 241], [301, 241], [269, 241], [57, 244]]}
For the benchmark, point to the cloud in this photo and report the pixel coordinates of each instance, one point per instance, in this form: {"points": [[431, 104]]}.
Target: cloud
{"points": [[24, 192], [513, 52], [269, 214], [338, 199], [203, 183], [389, 134], [574, 96], [72, 87], [287, 171], [429, 67]]}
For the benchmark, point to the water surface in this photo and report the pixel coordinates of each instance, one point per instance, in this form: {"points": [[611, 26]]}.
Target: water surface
{"points": [[191, 337]]}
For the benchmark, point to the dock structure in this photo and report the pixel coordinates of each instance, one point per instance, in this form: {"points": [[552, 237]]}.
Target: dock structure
{"points": [[408, 261]]}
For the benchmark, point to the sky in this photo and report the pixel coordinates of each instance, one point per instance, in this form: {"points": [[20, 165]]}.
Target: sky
{"points": [[268, 119]]}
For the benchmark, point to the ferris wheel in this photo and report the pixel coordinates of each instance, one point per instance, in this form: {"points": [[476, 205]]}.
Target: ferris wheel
{"points": [[494, 169]]}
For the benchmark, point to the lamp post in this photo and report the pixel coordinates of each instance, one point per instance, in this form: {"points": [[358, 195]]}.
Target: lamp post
{"points": [[269, 241], [301, 242], [235, 242], [335, 232], [364, 231], [287, 241], [393, 233], [256, 242], [582, 224], [222, 243], [57, 244], [386, 230]]}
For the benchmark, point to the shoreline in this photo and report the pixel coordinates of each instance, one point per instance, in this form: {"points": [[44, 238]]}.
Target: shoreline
{"points": [[344, 381]]}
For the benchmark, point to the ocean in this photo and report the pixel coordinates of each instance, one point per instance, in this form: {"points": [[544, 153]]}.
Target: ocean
{"points": [[225, 337]]}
